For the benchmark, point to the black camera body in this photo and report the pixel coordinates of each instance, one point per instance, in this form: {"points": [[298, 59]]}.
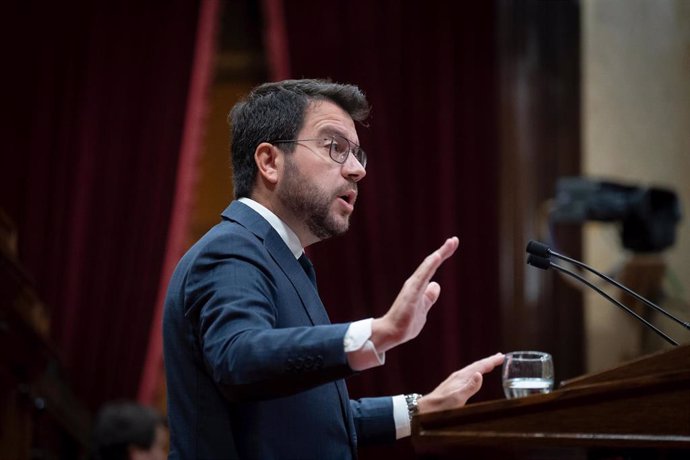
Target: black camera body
{"points": [[649, 215]]}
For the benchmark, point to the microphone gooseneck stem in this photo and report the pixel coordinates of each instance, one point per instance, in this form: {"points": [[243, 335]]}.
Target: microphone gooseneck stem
{"points": [[647, 302], [611, 299]]}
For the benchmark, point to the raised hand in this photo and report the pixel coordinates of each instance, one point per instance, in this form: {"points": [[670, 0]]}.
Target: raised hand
{"points": [[407, 316]]}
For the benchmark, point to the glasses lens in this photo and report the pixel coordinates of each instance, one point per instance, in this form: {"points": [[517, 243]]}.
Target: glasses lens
{"points": [[360, 156], [340, 148]]}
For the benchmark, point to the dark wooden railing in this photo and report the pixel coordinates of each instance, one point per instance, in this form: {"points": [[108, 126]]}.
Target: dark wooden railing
{"points": [[39, 415]]}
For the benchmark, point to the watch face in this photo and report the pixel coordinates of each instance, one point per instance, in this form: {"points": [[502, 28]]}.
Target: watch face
{"points": [[411, 400]]}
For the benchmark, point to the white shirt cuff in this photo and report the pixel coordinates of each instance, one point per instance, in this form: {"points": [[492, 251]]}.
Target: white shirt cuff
{"points": [[401, 416], [361, 352]]}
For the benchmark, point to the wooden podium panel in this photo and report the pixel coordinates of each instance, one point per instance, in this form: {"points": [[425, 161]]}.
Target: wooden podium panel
{"points": [[644, 404]]}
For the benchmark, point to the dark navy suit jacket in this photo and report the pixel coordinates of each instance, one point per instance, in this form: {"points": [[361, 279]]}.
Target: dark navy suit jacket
{"points": [[254, 367]]}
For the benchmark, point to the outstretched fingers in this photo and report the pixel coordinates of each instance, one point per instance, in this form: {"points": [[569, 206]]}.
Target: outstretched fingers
{"points": [[407, 316], [428, 267], [485, 365]]}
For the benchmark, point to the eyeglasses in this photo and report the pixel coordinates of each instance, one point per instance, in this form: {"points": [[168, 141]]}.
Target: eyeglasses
{"points": [[339, 148]]}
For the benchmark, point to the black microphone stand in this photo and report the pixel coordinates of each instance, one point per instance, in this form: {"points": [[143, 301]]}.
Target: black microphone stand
{"points": [[544, 264], [541, 250]]}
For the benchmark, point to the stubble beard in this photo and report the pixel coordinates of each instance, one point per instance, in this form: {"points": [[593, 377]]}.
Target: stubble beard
{"points": [[310, 204]]}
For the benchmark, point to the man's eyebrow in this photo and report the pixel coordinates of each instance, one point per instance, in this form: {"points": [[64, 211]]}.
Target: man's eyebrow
{"points": [[331, 130]]}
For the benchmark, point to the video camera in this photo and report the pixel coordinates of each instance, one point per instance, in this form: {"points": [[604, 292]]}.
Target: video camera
{"points": [[649, 214]]}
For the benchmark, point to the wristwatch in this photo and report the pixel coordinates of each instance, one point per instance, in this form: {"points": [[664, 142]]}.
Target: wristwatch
{"points": [[411, 400]]}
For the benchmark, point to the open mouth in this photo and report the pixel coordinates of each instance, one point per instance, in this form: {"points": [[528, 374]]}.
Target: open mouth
{"points": [[349, 197]]}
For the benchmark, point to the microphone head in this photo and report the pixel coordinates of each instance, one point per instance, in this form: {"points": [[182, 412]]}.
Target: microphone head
{"points": [[538, 249], [539, 262]]}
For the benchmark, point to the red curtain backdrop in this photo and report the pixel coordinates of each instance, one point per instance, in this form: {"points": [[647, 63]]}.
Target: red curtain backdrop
{"points": [[98, 94], [190, 150], [430, 71]]}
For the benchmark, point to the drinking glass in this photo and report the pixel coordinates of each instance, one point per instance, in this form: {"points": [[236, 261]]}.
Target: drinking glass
{"points": [[527, 373]]}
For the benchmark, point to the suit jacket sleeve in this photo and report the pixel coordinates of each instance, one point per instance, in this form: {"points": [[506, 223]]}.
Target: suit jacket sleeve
{"points": [[253, 330], [374, 420]]}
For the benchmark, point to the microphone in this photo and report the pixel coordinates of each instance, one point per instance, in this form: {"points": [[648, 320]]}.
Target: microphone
{"points": [[541, 250], [545, 263], [538, 249]]}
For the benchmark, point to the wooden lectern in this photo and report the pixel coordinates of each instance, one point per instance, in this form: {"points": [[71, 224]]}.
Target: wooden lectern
{"points": [[643, 405]]}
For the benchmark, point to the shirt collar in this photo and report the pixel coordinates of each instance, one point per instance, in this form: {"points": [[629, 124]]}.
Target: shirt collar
{"points": [[286, 234]]}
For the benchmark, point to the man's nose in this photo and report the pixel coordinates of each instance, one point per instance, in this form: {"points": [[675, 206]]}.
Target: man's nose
{"points": [[353, 169]]}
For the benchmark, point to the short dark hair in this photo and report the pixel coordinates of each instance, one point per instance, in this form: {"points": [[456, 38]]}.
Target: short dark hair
{"points": [[276, 111], [120, 425]]}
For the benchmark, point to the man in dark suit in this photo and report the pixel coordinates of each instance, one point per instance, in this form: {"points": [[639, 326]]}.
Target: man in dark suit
{"points": [[254, 367]]}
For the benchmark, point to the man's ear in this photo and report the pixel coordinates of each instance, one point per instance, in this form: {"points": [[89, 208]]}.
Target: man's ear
{"points": [[268, 161]]}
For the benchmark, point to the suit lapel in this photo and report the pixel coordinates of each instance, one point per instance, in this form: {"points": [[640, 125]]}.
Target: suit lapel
{"points": [[299, 279], [283, 257]]}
